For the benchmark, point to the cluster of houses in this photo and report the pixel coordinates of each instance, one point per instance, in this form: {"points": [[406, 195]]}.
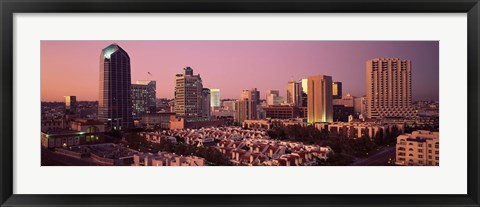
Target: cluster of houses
{"points": [[166, 159], [246, 147]]}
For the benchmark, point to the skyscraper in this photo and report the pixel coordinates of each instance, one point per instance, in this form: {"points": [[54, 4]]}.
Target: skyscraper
{"points": [[70, 104], [247, 106], [114, 103], [337, 90], [294, 93], [215, 97], [206, 97], [143, 97], [389, 88], [320, 108], [188, 95]]}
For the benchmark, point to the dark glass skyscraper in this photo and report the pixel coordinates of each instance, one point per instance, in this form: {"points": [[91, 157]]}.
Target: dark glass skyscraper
{"points": [[114, 103]]}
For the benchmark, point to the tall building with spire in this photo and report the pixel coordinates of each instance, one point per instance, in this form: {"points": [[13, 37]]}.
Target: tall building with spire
{"points": [[189, 95], [389, 88], [114, 103]]}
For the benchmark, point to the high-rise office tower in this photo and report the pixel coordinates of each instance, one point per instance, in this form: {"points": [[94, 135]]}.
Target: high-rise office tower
{"points": [[70, 104], [319, 107], [206, 97], [114, 103], [337, 90], [294, 93], [188, 95], [143, 97], [247, 106], [215, 97], [389, 88]]}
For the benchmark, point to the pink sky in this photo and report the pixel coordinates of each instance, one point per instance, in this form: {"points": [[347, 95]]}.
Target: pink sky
{"points": [[72, 67]]}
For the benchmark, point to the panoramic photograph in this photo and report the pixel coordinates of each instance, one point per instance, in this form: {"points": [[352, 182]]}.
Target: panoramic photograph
{"points": [[239, 103]]}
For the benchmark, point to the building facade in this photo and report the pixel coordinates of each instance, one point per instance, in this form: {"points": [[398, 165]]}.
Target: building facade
{"points": [[418, 148], [206, 98], [215, 97], [294, 93], [337, 90], [189, 95], [143, 98], [247, 106], [389, 88], [319, 107], [114, 103], [70, 104]]}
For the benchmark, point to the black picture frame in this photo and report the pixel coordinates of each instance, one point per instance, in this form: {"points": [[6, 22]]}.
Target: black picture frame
{"points": [[10, 7]]}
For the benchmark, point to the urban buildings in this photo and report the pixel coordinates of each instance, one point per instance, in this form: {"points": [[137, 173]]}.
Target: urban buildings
{"points": [[189, 95], [360, 105], [247, 107], [273, 97], [284, 112], [319, 108], [114, 103], [294, 93], [271, 92], [143, 98], [337, 90], [215, 97], [70, 104], [166, 159], [206, 98], [389, 88], [81, 132], [418, 148]]}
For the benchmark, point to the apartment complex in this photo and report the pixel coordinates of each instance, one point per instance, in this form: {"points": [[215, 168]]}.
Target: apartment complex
{"points": [[418, 148]]}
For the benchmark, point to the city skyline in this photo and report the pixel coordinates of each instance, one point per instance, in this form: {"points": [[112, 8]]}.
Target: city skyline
{"points": [[71, 67]]}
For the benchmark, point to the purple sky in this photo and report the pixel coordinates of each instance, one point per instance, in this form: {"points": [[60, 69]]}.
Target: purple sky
{"points": [[72, 67]]}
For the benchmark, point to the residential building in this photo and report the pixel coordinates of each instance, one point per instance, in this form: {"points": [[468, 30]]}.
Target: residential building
{"points": [[420, 148]]}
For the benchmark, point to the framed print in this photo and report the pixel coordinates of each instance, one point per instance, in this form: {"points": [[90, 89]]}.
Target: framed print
{"points": [[239, 103]]}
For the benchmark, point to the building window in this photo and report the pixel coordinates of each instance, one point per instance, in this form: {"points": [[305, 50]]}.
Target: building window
{"points": [[420, 156]]}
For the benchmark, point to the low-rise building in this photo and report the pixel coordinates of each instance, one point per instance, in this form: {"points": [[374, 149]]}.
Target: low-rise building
{"points": [[81, 132], [419, 148], [166, 159]]}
